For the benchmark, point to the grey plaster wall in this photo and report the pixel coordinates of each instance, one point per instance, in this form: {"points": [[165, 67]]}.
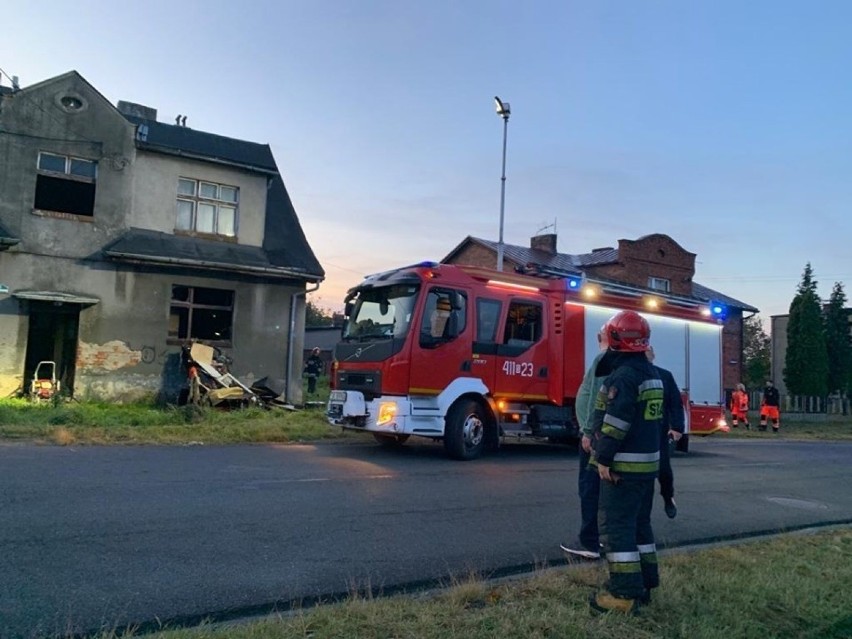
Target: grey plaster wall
{"points": [[34, 120], [155, 182]]}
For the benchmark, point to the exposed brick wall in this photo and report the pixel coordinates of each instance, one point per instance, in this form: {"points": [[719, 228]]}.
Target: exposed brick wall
{"points": [[478, 255], [651, 256], [732, 350]]}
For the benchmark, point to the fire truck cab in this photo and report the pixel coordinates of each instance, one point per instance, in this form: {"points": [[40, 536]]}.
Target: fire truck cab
{"points": [[468, 355]]}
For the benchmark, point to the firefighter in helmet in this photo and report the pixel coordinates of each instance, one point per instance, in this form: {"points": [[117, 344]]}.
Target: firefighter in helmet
{"points": [[627, 421]]}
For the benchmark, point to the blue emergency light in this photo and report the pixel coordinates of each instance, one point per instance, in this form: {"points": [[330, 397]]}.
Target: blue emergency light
{"points": [[718, 310], [573, 283]]}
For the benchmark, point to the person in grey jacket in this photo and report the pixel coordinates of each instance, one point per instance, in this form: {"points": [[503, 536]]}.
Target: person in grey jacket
{"points": [[587, 543]]}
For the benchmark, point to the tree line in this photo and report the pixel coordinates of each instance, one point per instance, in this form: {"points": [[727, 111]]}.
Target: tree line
{"points": [[818, 361]]}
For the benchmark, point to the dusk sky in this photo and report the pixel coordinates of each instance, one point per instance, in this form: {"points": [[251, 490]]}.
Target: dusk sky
{"points": [[724, 124]]}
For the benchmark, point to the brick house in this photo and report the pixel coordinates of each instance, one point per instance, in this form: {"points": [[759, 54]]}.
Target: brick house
{"points": [[122, 237], [651, 263]]}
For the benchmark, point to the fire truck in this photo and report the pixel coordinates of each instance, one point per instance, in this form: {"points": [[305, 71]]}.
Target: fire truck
{"points": [[472, 356]]}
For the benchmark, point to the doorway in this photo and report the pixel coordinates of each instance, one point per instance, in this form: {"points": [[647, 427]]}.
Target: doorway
{"points": [[52, 336]]}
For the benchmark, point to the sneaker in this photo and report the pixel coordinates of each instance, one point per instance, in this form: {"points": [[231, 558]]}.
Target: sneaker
{"points": [[578, 549], [603, 601], [670, 508]]}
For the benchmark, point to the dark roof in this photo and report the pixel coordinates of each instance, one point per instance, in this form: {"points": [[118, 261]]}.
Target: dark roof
{"points": [[140, 245], [563, 261], [5, 90], [283, 238], [708, 294], [184, 141]]}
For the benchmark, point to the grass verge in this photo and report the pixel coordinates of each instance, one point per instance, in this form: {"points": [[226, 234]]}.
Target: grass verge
{"points": [[797, 585], [816, 427], [91, 423]]}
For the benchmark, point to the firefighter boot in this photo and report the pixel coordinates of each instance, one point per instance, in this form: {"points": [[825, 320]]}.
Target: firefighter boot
{"points": [[604, 601]]}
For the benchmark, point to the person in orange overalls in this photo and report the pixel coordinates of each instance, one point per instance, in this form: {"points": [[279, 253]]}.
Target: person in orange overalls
{"points": [[739, 407], [770, 407]]}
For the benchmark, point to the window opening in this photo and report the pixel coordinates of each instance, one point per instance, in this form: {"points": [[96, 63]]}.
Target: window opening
{"points": [[201, 313], [65, 184], [523, 324]]}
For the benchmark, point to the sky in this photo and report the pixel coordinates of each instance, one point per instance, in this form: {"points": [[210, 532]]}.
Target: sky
{"points": [[723, 124]]}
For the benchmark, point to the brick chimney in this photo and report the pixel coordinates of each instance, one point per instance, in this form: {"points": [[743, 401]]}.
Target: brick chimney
{"points": [[546, 243]]}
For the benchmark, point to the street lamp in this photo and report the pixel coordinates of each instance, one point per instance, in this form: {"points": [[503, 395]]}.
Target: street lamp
{"points": [[503, 110]]}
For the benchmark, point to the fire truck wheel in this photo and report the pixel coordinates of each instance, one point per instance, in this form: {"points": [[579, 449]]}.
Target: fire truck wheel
{"points": [[390, 441], [464, 432]]}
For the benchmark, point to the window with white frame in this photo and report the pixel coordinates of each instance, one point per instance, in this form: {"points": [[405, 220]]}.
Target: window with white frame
{"points": [[65, 184], [207, 207], [659, 284]]}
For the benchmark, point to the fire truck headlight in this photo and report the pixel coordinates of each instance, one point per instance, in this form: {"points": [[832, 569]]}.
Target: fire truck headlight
{"points": [[387, 413]]}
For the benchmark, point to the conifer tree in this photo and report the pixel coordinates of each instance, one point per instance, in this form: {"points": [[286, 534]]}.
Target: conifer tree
{"points": [[756, 353], [837, 340], [806, 363]]}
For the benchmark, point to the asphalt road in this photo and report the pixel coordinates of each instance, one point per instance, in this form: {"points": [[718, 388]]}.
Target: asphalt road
{"points": [[103, 537]]}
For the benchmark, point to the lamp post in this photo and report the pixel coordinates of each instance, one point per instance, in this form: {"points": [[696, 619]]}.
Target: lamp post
{"points": [[503, 111]]}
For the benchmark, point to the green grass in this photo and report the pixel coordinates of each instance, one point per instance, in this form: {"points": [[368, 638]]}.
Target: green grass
{"points": [[94, 423], [792, 586], [798, 428]]}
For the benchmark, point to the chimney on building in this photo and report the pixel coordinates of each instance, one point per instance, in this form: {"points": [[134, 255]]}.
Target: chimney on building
{"points": [[16, 84], [546, 243], [137, 110]]}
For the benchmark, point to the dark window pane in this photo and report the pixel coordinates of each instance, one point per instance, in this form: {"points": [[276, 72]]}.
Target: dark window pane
{"points": [[180, 293], [83, 168], [488, 317], [211, 324], [64, 196], [213, 297]]}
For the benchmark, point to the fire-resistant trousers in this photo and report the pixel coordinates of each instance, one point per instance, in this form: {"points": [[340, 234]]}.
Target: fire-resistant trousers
{"points": [[624, 520]]}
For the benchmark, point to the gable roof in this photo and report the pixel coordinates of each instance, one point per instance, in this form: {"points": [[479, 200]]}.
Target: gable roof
{"points": [[155, 247], [187, 142], [567, 262]]}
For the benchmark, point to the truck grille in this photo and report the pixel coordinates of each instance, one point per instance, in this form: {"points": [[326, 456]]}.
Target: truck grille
{"points": [[368, 382]]}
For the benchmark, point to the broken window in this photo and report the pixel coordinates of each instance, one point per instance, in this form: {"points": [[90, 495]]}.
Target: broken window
{"points": [[207, 207], [65, 184], [201, 313]]}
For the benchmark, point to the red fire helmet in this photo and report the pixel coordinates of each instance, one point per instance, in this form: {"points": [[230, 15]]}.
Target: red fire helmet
{"points": [[628, 332]]}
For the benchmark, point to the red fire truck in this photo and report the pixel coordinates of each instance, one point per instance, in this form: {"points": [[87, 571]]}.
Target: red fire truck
{"points": [[470, 356]]}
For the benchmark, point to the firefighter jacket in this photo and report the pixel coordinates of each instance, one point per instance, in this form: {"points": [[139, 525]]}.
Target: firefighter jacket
{"points": [[770, 397], [628, 417], [673, 415], [739, 402]]}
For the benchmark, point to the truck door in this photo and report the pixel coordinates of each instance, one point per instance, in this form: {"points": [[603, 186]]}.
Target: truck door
{"points": [[489, 312], [441, 350], [521, 362]]}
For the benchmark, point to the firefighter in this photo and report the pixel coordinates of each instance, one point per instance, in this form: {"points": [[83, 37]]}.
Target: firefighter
{"points": [[626, 451], [739, 407], [313, 369], [674, 423], [770, 407]]}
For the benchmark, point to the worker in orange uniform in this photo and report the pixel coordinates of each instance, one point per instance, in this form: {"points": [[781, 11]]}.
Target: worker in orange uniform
{"points": [[770, 407], [739, 406]]}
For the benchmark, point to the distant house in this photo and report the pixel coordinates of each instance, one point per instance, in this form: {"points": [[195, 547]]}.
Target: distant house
{"points": [[778, 348], [122, 237], [651, 263]]}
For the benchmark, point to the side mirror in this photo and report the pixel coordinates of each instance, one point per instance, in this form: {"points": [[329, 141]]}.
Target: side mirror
{"points": [[452, 329], [348, 308]]}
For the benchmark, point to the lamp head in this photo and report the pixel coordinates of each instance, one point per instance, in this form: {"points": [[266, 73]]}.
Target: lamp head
{"points": [[503, 109]]}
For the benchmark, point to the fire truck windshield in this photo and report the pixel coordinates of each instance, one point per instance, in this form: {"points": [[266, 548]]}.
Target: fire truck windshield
{"points": [[382, 313]]}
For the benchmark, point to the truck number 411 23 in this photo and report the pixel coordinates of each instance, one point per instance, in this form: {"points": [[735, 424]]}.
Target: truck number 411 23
{"points": [[524, 369]]}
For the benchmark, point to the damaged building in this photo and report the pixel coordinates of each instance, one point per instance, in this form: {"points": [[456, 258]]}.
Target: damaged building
{"points": [[122, 238]]}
